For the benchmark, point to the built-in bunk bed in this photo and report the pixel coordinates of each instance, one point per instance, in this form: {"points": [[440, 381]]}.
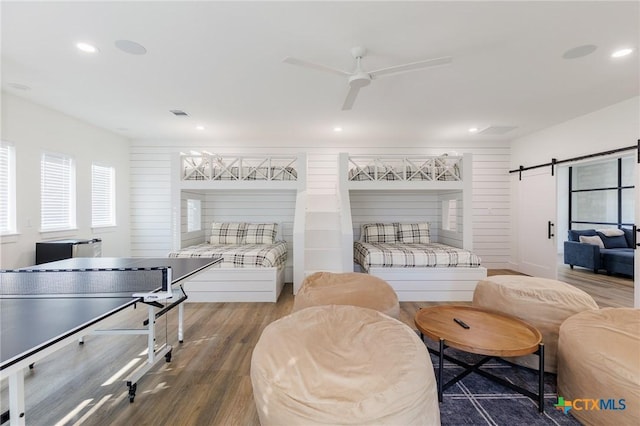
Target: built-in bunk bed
{"points": [[246, 209], [407, 219]]}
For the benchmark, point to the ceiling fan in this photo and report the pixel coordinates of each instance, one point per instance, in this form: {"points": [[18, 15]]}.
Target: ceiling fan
{"points": [[360, 78]]}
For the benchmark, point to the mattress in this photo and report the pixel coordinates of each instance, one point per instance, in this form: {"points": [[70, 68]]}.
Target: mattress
{"points": [[416, 255], [239, 256]]}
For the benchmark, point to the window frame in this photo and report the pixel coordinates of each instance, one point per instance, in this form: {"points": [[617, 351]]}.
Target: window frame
{"points": [[10, 227], [69, 190], [619, 223], [197, 209], [109, 199]]}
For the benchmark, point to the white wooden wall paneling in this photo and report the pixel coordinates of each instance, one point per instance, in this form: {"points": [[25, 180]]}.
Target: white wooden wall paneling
{"points": [[151, 188]]}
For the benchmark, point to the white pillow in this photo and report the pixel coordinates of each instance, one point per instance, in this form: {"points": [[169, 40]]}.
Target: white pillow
{"points": [[595, 240], [409, 233], [611, 232], [228, 233], [261, 233]]}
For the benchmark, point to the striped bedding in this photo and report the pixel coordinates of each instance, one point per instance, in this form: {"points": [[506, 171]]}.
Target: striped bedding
{"points": [[416, 255], [239, 256]]}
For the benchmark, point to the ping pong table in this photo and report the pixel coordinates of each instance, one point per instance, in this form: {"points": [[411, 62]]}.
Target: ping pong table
{"points": [[45, 307]]}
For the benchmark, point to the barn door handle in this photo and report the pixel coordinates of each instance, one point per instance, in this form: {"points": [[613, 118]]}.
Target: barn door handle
{"points": [[635, 237], [550, 230]]}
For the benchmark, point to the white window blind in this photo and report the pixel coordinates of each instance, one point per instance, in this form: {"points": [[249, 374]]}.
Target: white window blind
{"points": [[7, 189], [103, 196], [57, 192], [194, 221]]}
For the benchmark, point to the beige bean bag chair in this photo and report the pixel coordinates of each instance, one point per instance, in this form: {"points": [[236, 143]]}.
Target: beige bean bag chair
{"points": [[342, 365], [599, 358], [350, 288], [541, 302]]}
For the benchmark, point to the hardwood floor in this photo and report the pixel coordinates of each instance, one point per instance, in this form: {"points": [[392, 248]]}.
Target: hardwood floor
{"points": [[207, 382]]}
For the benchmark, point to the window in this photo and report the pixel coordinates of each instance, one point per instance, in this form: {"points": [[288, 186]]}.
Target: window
{"points": [[450, 215], [602, 194], [103, 196], [194, 222], [57, 192], [7, 189]]}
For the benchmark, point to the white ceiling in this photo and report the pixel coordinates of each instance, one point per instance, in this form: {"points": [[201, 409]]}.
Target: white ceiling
{"points": [[221, 62]]}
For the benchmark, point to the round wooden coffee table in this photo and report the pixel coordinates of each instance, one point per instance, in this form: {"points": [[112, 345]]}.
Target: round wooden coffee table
{"points": [[489, 333]]}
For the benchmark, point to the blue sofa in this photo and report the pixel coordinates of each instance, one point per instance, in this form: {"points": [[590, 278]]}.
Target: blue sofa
{"points": [[615, 258]]}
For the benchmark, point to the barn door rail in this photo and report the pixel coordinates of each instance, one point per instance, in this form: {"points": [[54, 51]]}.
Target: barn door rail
{"points": [[554, 162]]}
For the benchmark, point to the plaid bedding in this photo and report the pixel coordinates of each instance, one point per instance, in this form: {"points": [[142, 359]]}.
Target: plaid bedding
{"points": [[239, 256], [413, 173], [254, 173], [414, 255], [201, 172]]}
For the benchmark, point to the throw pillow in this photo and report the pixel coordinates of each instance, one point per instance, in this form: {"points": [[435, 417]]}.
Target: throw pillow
{"points": [[261, 233], [618, 241], [574, 234], [380, 233], [594, 240], [227, 233], [409, 233]]}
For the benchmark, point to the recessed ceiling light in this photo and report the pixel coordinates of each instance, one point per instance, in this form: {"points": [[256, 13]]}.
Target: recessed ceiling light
{"points": [[622, 52], [131, 47], [86, 47], [580, 51], [200, 127], [337, 129], [473, 130]]}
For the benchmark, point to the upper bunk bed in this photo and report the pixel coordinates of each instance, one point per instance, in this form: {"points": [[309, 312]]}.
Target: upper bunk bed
{"points": [[386, 191], [254, 181], [428, 174], [201, 170], [397, 172]]}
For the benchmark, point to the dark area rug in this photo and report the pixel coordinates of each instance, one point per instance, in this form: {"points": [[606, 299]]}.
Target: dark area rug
{"points": [[476, 400]]}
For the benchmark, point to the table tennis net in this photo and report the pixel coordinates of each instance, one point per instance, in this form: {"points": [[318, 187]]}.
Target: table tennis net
{"points": [[99, 282]]}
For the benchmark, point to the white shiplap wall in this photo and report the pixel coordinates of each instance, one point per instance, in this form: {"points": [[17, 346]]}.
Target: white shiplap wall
{"points": [[150, 201], [151, 188], [254, 207], [394, 206]]}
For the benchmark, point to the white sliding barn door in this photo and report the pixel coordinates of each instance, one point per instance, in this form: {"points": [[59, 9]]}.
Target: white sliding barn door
{"points": [[536, 200]]}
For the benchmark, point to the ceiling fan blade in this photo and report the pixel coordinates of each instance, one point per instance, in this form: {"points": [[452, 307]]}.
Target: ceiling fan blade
{"points": [[306, 64], [411, 67], [351, 98]]}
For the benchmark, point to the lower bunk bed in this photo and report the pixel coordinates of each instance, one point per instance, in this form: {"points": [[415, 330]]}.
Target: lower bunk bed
{"points": [[247, 272], [417, 269]]}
